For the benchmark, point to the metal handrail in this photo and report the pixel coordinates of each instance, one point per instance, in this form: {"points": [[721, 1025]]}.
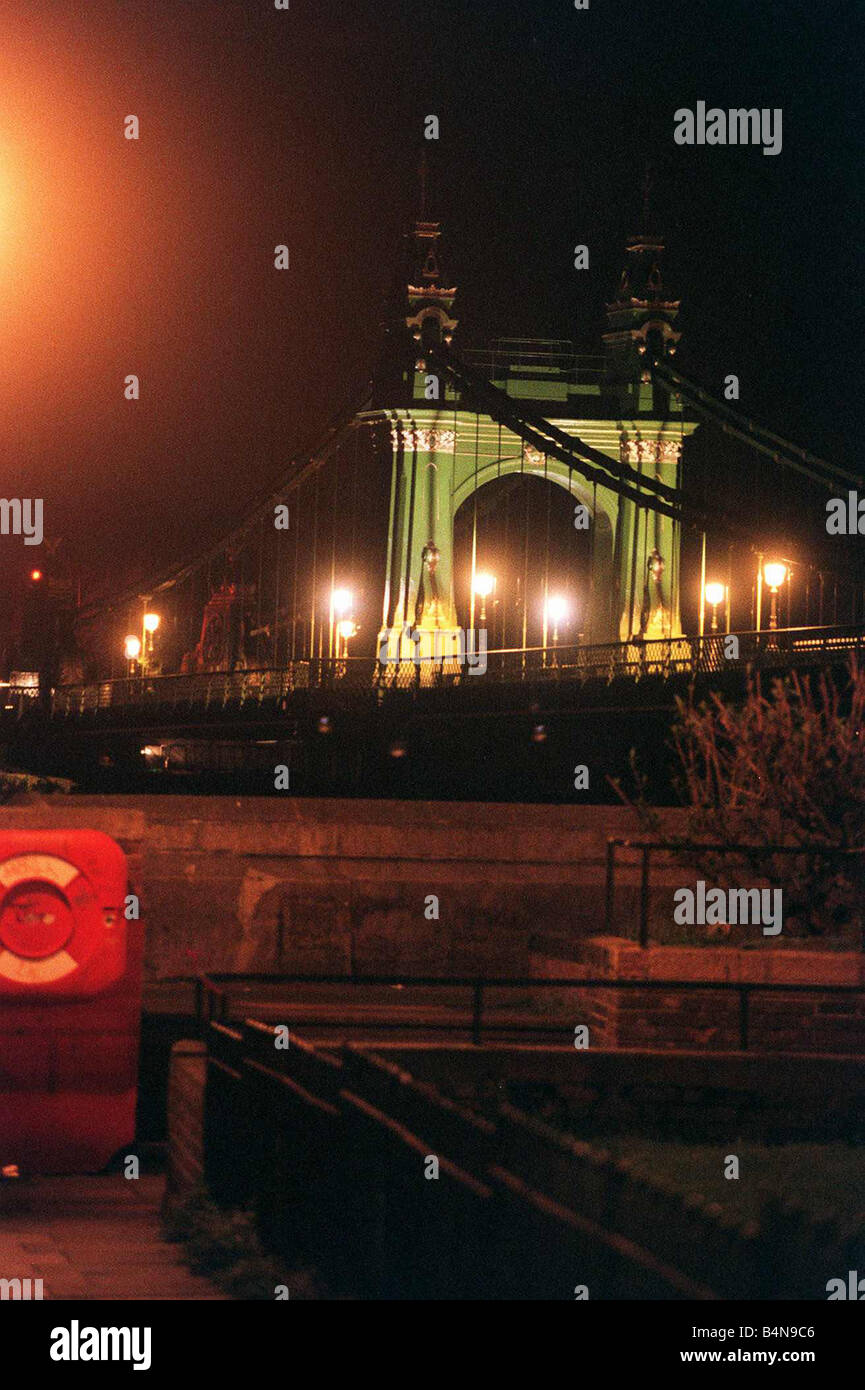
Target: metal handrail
{"points": [[690, 847], [213, 1002]]}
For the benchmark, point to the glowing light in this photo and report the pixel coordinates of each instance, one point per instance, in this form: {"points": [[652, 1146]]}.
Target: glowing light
{"points": [[342, 600], [714, 593], [132, 648], [35, 575], [346, 628], [774, 573], [484, 584], [557, 608], [151, 622]]}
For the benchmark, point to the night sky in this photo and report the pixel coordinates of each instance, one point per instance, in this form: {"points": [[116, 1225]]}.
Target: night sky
{"points": [[261, 127]]}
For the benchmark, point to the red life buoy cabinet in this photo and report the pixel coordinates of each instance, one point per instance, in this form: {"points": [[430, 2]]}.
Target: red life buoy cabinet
{"points": [[70, 1000]]}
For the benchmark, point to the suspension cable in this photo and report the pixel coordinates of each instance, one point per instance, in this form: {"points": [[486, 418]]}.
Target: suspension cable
{"points": [[756, 435]]}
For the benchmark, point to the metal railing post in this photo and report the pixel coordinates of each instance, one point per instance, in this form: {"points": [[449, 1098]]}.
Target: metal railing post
{"points": [[743, 1017], [477, 1007], [644, 897], [610, 888]]}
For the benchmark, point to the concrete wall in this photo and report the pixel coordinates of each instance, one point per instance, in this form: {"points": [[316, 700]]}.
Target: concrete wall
{"points": [[344, 884], [349, 879]]}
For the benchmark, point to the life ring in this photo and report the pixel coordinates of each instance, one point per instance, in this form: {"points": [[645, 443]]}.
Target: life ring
{"points": [[50, 918]]}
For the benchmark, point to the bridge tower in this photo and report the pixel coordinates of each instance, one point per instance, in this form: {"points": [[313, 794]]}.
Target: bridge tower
{"points": [[640, 328], [442, 453]]}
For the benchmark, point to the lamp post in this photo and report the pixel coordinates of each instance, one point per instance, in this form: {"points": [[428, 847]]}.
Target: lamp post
{"points": [[345, 629], [714, 594], [774, 572], [341, 604], [555, 612], [132, 651], [484, 586], [150, 623]]}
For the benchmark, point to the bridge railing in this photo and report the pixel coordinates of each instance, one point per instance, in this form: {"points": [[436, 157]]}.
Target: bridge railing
{"points": [[635, 660]]}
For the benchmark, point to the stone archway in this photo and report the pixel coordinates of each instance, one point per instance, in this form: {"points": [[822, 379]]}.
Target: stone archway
{"points": [[538, 534]]}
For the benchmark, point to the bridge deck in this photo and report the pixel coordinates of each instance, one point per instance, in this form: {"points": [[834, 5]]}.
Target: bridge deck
{"points": [[634, 660]]}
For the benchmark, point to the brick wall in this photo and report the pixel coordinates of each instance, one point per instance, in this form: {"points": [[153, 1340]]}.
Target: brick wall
{"points": [[186, 1082], [656, 1018]]}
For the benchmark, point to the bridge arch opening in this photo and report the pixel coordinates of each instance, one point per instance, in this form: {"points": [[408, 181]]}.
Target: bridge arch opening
{"points": [[520, 529]]}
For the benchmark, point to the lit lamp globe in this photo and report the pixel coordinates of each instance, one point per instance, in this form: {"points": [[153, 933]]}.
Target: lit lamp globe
{"points": [[346, 628], [714, 593], [132, 648], [774, 573], [341, 600], [151, 622], [557, 609], [555, 612], [484, 585]]}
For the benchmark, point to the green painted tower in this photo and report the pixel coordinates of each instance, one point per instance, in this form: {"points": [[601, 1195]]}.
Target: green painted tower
{"points": [[443, 453]]}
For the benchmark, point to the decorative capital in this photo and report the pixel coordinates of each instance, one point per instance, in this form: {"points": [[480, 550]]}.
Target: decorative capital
{"points": [[650, 450], [422, 440]]}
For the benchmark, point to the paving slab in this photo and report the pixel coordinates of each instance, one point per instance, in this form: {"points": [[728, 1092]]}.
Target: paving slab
{"points": [[93, 1238]]}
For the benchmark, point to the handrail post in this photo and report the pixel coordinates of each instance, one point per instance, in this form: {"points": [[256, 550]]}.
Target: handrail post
{"points": [[610, 888], [477, 1007], [743, 1017], [644, 897]]}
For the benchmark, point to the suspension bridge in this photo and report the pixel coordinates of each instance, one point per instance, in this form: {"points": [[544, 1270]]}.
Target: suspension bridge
{"points": [[495, 533]]}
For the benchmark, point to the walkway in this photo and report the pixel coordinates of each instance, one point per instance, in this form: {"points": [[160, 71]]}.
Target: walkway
{"points": [[93, 1238]]}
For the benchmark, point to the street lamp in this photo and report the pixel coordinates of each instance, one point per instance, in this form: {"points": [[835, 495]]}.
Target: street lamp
{"points": [[555, 612], [345, 629], [484, 586], [714, 594], [341, 604], [774, 572], [132, 651], [149, 624]]}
